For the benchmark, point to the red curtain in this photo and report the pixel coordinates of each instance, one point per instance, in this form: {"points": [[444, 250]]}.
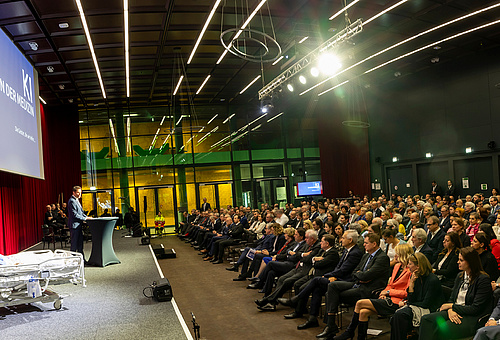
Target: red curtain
{"points": [[344, 154], [23, 199]]}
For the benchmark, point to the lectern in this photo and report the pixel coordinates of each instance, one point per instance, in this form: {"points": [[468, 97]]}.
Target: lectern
{"points": [[102, 241]]}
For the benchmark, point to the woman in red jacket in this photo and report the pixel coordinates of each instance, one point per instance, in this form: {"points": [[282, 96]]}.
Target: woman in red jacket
{"points": [[389, 298], [494, 243]]}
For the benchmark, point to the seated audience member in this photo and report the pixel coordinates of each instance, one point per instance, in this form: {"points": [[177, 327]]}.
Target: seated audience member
{"points": [[494, 243], [391, 242], [308, 225], [213, 225], [291, 254], [496, 226], [280, 239], [481, 244], [264, 243], [118, 214], [318, 227], [446, 265], [289, 244], [106, 213], [281, 218], [473, 228], [235, 232], [370, 274], [376, 229], [458, 226], [310, 266], [214, 237], [491, 330], [444, 220], [257, 227], [338, 231], [361, 240], [349, 260], [435, 236], [303, 257], [424, 295], [470, 300], [388, 299], [419, 238]]}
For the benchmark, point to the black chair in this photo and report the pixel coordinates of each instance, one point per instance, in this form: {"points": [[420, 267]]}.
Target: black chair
{"points": [[48, 236]]}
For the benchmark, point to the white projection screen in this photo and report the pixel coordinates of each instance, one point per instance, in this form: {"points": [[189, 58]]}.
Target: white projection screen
{"points": [[20, 127]]}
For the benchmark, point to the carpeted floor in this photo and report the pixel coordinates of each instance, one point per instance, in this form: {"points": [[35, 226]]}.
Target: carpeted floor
{"points": [[225, 309], [112, 306]]}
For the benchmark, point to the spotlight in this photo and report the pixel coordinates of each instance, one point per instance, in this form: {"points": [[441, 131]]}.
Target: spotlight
{"points": [[468, 150], [61, 86], [290, 87], [314, 72], [428, 155], [302, 80], [395, 159], [50, 69], [397, 74], [33, 45], [264, 109], [63, 25], [435, 60], [329, 64]]}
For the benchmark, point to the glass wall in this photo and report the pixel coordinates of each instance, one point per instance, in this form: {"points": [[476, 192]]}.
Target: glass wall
{"points": [[228, 155]]}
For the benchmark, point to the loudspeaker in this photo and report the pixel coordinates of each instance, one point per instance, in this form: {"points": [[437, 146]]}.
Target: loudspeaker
{"points": [[162, 253], [145, 240], [162, 291]]}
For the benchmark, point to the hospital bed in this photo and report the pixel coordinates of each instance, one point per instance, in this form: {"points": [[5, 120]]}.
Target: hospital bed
{"points": [[25, 277]]}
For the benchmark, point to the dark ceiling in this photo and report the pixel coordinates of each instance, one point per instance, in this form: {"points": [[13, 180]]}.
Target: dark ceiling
{"points": [[163, 33]]}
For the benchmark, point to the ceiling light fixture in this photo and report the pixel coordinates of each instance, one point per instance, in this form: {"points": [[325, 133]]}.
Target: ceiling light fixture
{"points": [[43, 101], [302, 80], [61, 86], [257, 127], [329, 63], [114, 136], [211, 120], [228, 118], [242, 28], [250, 84], [212, 12], [203, 84], [394, 159], [403, 41], [314, 71], [303, 39], [290, 87], [273, 118], [277, 60], [127, 46], [343, 10], [50, 69], [91, 46], [129, 142], [333, 88], [182, 116], [63, 25], [178, 84], [468, 150], [428, 155], [33, 45]]}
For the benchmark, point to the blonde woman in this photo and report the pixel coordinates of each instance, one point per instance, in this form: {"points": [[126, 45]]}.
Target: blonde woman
{"points": [[389, 298]]}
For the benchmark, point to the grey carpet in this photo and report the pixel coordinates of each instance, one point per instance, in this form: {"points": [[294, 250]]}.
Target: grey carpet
{"points": [[112, 306]]}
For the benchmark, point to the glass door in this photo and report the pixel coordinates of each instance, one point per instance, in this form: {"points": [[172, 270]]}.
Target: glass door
{"points": [[272, 191], [157, 199], [96, 203], [219, 195]]}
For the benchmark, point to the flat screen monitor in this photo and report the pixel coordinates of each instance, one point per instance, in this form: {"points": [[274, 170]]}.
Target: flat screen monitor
{"points": [[309, 188], [20, 128]]}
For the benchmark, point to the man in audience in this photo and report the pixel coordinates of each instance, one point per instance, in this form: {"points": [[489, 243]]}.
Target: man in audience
{"points": [[435, 237], [371, 274], [281, 218], [292, 220], [234, 235], [491, 330], [318, 227], [264, 243], [414, 220], [419, 238], [312, 264], [444, 221], [314, 212], [343, 221], [283, 263], [350, 258], [469, 208]]}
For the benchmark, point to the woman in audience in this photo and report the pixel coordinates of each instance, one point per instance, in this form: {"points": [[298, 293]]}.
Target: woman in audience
{"points": [[338, 232], [474, 222], [496, 226], [470, 300], [446, 265], [308, 225], [458, 226], [459, 203], [460, 212], [389, 298], [375, 228], [369, 217], [364, 227], [258, 226], [424, 295], [329, 226], [481, 244], [494, 243], [391, 242]]}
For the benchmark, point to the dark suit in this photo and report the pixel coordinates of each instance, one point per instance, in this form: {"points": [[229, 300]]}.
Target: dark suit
{"points": [[76, 217], [449, 269], [436, 191], [427, 251], [478, 302], [436, 243], [368, 279], [445, 223], [490, 332], [205, 207], [318, 285], [490, 265], [450, 191]]}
